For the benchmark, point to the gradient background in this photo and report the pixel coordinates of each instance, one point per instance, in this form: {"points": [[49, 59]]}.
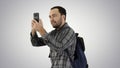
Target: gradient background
{"points": [[97, 21]]}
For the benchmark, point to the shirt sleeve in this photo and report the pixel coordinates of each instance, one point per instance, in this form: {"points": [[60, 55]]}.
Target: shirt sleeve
{"points": [[36, 41], [64, 40]]}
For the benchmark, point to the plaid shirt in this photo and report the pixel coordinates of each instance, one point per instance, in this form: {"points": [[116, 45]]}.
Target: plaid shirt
{"points": [[58, 41]]}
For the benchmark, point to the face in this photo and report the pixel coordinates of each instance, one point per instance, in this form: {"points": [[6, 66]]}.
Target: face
{"points": [[55, 18]]}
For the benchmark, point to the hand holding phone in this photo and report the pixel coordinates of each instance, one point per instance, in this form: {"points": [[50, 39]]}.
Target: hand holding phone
{"points": [[36, 16]]}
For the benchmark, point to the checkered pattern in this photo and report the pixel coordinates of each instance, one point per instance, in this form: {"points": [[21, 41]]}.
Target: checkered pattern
{"points": [[58, 41]]}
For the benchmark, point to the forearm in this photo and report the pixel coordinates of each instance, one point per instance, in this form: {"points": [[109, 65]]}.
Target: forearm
{"points": [[42, 31], [33, 32]]}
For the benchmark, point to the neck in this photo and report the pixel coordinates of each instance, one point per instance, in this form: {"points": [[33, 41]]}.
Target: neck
{"points": [[61, 26], [63, 22]]}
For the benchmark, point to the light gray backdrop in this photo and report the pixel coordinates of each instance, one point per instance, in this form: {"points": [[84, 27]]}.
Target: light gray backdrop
{"points": [[97, 21]]}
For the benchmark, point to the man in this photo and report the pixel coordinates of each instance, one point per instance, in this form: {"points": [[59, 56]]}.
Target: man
{"points": [[60, 39]]}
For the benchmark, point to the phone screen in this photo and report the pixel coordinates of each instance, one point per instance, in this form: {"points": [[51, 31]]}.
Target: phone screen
{"points": [[36, 16]]}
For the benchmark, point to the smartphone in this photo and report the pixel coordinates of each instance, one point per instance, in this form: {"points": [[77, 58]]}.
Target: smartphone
{"points": [[36, 16]]}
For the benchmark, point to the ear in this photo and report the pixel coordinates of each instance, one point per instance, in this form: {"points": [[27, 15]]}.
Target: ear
{"points": [[63, 16]]}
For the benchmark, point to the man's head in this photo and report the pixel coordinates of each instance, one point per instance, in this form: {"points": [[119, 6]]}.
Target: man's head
{"points": [[57, 16]]}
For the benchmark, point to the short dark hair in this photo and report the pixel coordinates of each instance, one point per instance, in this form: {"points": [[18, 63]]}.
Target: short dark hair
{"points": [[61, 10]]}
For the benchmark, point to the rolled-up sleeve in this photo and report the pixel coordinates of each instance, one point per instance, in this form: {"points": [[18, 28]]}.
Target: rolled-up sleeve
{"points": [[37, 41]]}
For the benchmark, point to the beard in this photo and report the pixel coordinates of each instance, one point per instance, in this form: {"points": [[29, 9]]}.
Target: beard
{"points": [[57, 24]]}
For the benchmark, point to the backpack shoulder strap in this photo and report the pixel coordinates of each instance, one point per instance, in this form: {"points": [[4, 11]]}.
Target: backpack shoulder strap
{"points": [[81, 40]]}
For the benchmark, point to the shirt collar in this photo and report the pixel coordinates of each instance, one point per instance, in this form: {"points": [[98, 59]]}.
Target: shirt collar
{"points": [[64, 26]]}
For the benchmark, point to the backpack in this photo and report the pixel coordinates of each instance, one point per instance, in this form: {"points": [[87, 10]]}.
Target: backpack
{"points": [[80, 60]]}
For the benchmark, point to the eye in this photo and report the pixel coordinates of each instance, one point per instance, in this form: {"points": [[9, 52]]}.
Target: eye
{"points": [[54, 15], [49, 16]]}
